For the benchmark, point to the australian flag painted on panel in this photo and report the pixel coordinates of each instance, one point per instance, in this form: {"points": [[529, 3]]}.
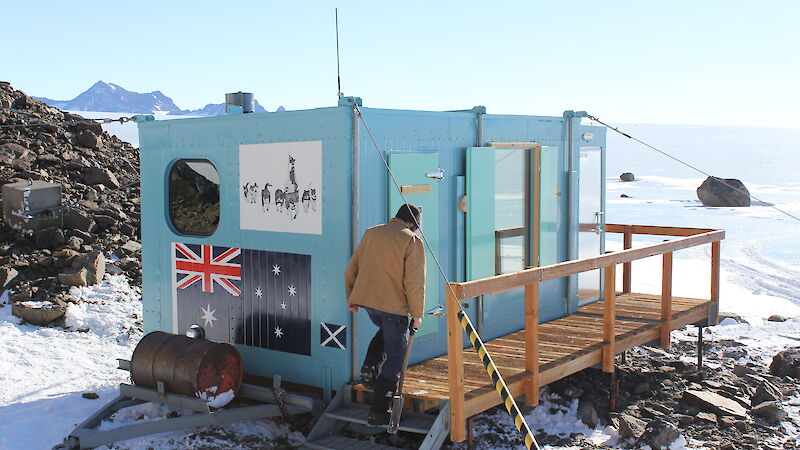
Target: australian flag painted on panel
{"points": [[249, 297]]}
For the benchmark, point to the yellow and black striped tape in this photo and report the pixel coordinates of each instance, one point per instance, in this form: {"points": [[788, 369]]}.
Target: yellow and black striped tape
{"points": [[499, 383]]}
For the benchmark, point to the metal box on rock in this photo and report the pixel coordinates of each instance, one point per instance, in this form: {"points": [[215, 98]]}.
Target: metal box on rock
{"points": [[32, 206]]}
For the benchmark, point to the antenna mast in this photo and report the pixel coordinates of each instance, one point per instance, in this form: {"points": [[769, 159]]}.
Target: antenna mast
{"points": [[338, 73]]}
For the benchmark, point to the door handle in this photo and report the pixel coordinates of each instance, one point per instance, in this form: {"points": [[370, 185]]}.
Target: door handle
{"points": [[437, 175]]}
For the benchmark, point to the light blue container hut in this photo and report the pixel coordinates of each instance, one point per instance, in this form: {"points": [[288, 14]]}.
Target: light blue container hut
{"points": [[296, 190]]}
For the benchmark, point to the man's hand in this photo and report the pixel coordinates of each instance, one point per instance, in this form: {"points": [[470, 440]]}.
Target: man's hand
{"points": [[353, 308], [417, 323]]}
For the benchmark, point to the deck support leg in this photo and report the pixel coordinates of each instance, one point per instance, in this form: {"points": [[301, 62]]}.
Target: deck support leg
{"points": [[455, 363], [700, 348], [613, 391], [532, 344], [666, 300], [470, 434], [627, 243], [623, 357], [609, 319]]}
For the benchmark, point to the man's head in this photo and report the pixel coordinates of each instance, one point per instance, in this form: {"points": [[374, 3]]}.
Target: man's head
{"points": [[410, 214]]}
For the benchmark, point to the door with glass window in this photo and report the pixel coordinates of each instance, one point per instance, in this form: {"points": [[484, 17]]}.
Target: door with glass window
{"points": [[591, 220], [512, 222]]}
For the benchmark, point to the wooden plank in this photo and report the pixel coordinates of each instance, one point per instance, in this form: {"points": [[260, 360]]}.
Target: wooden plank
{"points": [[537, 204], [455, 369], [609, 334], [656, 230], [666, 300], [505, 282], [532, 344], [627, 242], [715, 260]]}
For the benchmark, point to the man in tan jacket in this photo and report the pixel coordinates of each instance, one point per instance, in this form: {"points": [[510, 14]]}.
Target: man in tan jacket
{"points": [[386, 276]]}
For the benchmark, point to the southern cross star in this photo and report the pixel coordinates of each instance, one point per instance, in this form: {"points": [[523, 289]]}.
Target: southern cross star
{"points": [[292, 290], [259, 292], [276, 269], [208, 315], [278, 332], [283, 305]]}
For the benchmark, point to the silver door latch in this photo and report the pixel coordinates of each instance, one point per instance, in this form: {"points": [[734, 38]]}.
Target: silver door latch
{"points": [[437, 175]]}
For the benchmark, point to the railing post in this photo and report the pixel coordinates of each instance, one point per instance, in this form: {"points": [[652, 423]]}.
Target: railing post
{"points": [[532, 344], [627, 242], [609, 313], [713, 314], [455, 366], [666, 300]]}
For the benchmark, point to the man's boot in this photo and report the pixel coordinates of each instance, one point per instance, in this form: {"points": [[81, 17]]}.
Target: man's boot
{"points": [[381, 401], [369, 374]]}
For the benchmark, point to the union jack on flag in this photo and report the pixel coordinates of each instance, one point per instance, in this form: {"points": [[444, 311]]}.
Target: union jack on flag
{"points": [[212, 265]]}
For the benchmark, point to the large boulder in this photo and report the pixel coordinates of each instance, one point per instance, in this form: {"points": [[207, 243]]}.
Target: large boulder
{"points": [[74, 277], [723, 192], [95, 265], [630, 427], [38, 312], [786, 363], [88, 139], [75, 219], [770, 411], [658, 434], [49, 238], [627, 176], [96, 175], [713, 402], [7, 275]]}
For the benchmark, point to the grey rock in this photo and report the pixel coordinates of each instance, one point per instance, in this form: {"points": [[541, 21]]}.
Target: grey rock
{"points": [[113, 269], [129, 248], [105, 221], [627, 176], [21, 102], [88, 139], [73, 277], [786, 363], [729, 315], [713, 402], [659, 434], [766, 392], [777, 318], [723, 192], [74, 242], [96, 175], [95, 265], [75, 219], [769, 411], [708, 417], [7, 275], [84, 236], [38, 312], [49, 238], [630, 427], [587, 414]]}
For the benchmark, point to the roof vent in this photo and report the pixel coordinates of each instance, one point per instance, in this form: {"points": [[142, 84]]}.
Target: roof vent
{"points": [[239, 103]]}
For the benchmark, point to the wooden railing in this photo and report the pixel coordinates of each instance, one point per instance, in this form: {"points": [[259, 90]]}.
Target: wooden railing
{"points": [[531, 278]]}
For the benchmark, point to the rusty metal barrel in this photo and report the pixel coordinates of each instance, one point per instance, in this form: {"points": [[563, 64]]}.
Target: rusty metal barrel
{"points": [[193, 367]]}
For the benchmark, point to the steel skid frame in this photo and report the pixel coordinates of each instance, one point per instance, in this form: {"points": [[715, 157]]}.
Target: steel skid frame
{"points": [[272, 402]]}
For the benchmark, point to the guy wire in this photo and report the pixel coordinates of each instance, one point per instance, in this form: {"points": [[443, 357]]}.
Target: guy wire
{"points": [[720, 180]]}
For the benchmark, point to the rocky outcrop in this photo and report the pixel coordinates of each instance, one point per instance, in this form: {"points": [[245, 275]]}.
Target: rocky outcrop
{"points": [[723, 192], [786, 363], [99, 177]]}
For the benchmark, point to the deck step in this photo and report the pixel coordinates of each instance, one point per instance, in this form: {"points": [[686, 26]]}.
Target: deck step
{"points": [[410, 421], [344, 443]]}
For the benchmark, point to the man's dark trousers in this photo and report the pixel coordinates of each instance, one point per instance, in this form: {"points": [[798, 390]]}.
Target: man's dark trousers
{"points": [[390, 339]]}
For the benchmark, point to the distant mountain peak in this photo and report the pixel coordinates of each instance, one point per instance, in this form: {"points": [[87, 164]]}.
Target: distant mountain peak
{"points": [[110, 97]]}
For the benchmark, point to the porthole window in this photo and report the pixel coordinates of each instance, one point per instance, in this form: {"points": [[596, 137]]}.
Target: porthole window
{"points": [[194, 197]]}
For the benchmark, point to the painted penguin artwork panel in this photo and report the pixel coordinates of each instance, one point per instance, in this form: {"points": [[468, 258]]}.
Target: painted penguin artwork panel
{"points": [[249, 297], [281, 187]]}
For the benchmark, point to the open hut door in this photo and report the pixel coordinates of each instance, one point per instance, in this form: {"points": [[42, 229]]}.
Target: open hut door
{"points": [[416, 173], [591, 220], [512, 222]]}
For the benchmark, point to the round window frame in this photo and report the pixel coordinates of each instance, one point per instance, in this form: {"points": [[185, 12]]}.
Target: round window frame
{"points": [[172, 225]]}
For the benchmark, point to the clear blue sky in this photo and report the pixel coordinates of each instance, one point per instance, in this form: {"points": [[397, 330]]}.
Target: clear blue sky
{"points": [[696, 62]]}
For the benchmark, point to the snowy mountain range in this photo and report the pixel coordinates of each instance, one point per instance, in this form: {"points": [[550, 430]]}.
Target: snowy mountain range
{"points": [[109, 97]]}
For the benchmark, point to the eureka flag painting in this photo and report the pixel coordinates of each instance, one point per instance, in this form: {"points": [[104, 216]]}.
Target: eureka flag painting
{"points": [[249, 297]]}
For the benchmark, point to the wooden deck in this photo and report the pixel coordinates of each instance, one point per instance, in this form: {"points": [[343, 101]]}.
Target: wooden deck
{"points": [[566, 346], [543, 353]]}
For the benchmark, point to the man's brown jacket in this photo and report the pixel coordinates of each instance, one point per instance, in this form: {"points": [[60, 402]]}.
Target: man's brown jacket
{"points": [[387, 271]]}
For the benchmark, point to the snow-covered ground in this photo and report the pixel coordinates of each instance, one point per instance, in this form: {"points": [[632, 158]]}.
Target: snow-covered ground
{"points": [[44, 371]]}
